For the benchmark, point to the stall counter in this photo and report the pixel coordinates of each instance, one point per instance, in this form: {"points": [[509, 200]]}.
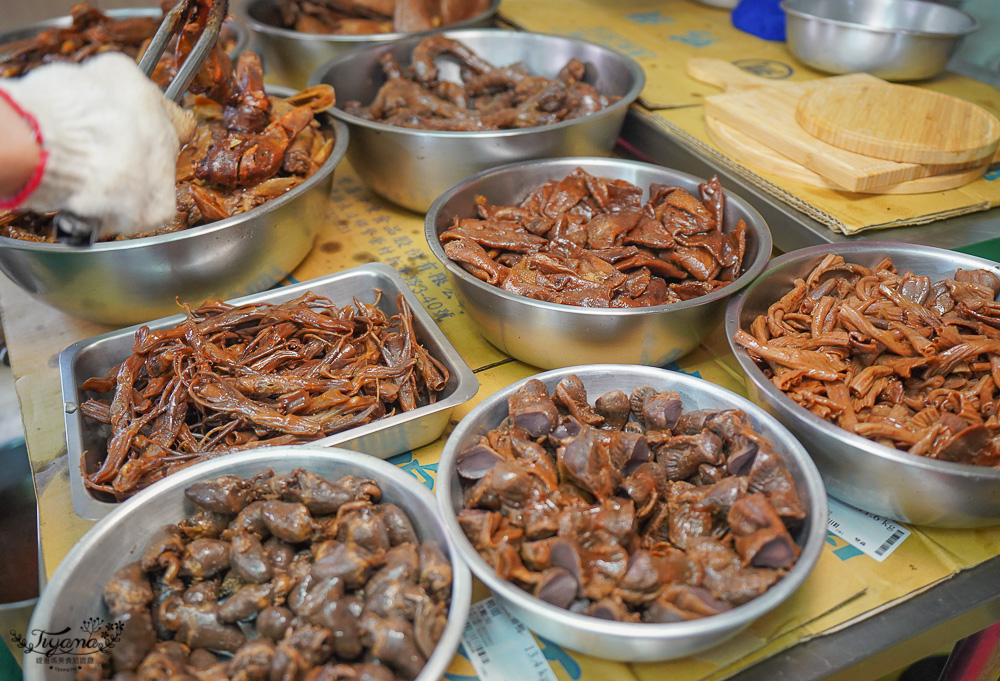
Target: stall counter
{"points": [[846, 588]]}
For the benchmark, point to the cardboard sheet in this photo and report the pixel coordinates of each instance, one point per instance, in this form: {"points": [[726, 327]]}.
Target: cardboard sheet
{"points": [[662, 36], [359, 228], [843, 212]]}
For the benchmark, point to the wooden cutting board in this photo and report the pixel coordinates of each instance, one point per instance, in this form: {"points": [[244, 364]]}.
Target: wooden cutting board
{"points": [[765, 111], [899, 123], [755, 155]]}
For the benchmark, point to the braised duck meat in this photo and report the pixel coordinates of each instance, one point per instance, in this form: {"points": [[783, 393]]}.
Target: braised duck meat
{"points": [[358, 17], [318, 608], [487, 97], [247, 148], [894, 357], [620, 522], [90, 32], [230, 378], [590, 241]]}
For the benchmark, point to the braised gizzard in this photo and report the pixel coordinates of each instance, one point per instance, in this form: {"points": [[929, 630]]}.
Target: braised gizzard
{"points": [[630, 509], [280, 576]]}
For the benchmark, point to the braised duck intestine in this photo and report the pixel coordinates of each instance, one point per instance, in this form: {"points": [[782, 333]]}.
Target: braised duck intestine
{"points": [[904, 361], [230, 378]]}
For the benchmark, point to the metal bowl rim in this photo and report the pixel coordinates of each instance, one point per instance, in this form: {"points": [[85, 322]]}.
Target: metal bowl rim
{"points": [[721, 623], [750, 272], [790, 9], [243, 12], [635, 71], [341, 138], [461, 593], [466, 386], [66, 20], [800, 413]]}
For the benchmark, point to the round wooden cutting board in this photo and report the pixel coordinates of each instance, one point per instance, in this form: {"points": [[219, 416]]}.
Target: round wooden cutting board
{"points": [[899, 123], [747, 150]]}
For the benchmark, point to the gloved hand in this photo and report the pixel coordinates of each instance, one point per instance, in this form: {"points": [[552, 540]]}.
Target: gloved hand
{"points": [[109, 140]]}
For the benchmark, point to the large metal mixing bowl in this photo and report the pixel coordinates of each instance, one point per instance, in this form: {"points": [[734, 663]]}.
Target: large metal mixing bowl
{"points": [[291, 56], [412, 167], [135, 280], [74, 592], [865, 474], [620, 640], [893, 39], [551, 335]]}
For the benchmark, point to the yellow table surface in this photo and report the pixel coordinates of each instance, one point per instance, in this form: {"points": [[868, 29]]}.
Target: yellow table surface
{"points": [[663, 35], [845, 586]]}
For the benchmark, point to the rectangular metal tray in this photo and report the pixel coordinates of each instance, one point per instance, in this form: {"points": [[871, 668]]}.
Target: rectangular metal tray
{"points": [[383, 438]]}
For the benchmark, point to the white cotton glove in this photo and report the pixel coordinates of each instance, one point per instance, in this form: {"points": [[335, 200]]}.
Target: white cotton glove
{"points": [[111, 139]]}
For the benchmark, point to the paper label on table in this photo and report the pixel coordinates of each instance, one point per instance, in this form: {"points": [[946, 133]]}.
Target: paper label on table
{"points": [[876, 536], [501, 648]]}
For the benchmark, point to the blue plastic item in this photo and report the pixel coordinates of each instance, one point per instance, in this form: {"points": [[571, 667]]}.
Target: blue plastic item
{"points": [[762, 18]]}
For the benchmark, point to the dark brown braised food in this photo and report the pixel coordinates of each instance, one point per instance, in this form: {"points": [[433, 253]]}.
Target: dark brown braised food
{"points": [[906, 362], [230, 378], [590, 241], [284, 577], [359, 17], [90, 32], [487, 98], [248, 147], [629, 509]]}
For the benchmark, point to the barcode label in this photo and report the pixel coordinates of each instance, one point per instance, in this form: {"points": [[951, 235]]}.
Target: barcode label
{"points": [[501, 648], [876, 536], [887, 544]]}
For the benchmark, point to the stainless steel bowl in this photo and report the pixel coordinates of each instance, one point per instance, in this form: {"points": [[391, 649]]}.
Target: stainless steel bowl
{"points": [[856, 470], [291, 56], [893, 39], [74, 592], [374, 284], [630, 641], [551, 335], [412, 167], [130, 281], [14, 38]]}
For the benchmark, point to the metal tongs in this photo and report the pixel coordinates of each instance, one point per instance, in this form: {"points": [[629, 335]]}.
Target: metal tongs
{"points": [[206, 41], [75, 230]]}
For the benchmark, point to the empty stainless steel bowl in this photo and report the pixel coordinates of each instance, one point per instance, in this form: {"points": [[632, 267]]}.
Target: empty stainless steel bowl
{"points": [[863, 473], [896, 40], [74, 593], [135, 280], [635, 642], [290, 56], [550, 335], [412, 167]]}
